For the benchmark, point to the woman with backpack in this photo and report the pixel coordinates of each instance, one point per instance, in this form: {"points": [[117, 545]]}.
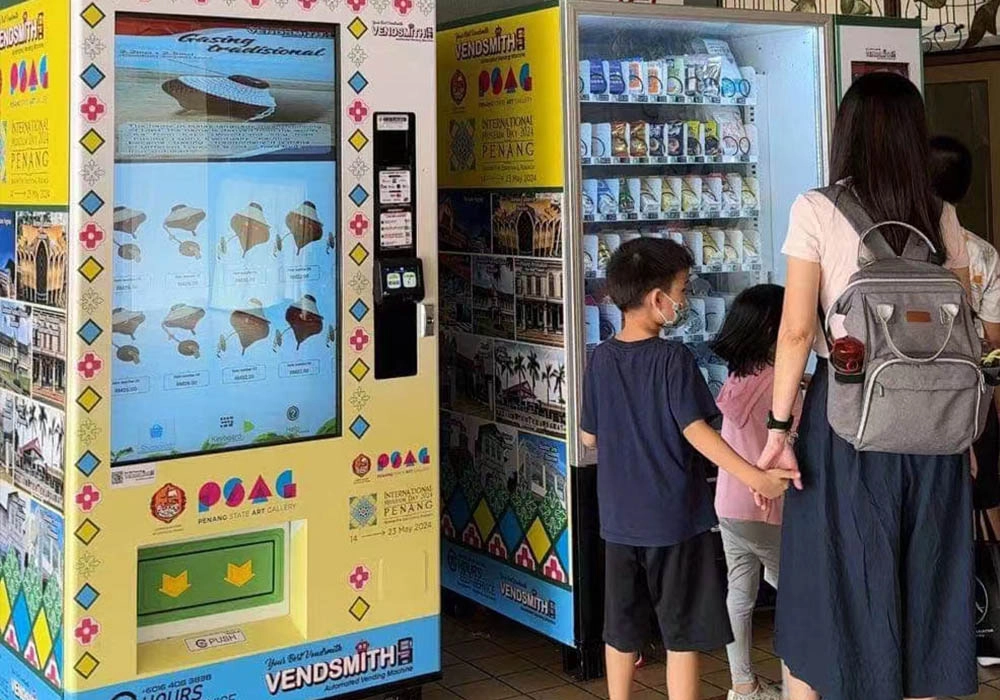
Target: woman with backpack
{"points": [[876, 594]]}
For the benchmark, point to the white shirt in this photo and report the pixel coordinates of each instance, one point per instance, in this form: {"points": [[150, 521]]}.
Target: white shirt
{"points": [[819, 233], [984, 273]]}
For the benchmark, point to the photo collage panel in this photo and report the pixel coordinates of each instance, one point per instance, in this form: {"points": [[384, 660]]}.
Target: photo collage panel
{"points": [[33, 345], [503, 378]]}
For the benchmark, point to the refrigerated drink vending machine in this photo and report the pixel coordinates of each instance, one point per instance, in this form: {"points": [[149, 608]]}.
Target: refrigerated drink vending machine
{"points": [[218, 435], [697, 125]]}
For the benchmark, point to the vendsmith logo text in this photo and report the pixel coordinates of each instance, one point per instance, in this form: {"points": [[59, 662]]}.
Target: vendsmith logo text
{"points": [[529, 600], [26, 32], [480, 44], [362, 662]]}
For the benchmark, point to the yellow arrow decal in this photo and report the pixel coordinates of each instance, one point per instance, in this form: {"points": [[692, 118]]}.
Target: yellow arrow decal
{"points": [[175, 586], [239, 576]]}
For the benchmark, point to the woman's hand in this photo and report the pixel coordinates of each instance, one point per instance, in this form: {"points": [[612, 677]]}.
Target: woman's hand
{"points": [[778, 454]]}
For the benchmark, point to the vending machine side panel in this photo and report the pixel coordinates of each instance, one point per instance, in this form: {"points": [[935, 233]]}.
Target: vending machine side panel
{"points": [[506, 531]]}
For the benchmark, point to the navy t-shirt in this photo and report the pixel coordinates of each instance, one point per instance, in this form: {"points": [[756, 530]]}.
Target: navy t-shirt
{"points": [[638, 398]]}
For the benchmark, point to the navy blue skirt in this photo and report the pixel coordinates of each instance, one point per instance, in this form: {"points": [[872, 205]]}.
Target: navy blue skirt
{"points": [[876, 600]]}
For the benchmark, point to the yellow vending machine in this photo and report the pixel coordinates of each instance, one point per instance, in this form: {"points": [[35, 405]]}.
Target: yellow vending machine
{"points": [[218, 369]]}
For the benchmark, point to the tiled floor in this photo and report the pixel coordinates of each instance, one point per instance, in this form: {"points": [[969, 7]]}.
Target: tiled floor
{"points": [[487, 657]]}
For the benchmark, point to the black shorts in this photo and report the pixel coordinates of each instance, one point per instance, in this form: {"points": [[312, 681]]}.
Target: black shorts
{"points": [[682, 586], [986, 488]]}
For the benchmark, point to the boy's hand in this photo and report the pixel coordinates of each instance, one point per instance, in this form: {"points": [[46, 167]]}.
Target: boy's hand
{"points": [[773, 483]]}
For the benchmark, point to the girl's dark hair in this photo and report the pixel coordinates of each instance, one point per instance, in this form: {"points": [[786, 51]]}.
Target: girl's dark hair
{"points": [[746, 341], [882, 145]]}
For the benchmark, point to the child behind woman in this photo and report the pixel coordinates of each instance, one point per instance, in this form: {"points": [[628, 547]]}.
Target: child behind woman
{"points": [[751, 537]]}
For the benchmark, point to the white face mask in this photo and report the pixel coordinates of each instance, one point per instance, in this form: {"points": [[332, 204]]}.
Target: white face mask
{"points": [[680, 313]]}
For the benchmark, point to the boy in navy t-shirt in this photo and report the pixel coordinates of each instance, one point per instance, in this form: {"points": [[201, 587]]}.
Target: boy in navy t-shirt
{"points": [[647, 409]]}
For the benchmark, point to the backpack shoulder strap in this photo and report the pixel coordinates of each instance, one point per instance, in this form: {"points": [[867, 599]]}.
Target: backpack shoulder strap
{"points": [[917, 247], [848, 205], [850, 208]]}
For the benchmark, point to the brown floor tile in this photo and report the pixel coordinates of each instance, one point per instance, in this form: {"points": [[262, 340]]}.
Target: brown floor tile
{"points": [[652, 675], [461, 673], [504, 664], [563, 692], [710, 691], [770, 669], [988, 673], [558, 670], [490, 689], [985, 693], [449, 659], [710, 664], [520, 639], [453, 633], [599, 687], [533, 680], [436, 692], [649, 694], [548, 655], [476, 649], [719, 678]]}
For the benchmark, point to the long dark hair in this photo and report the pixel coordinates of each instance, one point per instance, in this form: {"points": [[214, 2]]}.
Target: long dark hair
{"points": [[882, 145], [746, 341]]}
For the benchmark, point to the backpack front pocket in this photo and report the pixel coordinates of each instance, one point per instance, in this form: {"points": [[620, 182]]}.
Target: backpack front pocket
{"points": [[919, 408]]}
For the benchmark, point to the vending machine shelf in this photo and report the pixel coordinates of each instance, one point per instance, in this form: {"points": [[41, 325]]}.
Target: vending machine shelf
{"points": [[678, 100]]}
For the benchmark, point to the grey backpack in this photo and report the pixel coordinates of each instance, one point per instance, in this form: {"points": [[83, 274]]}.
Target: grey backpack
{"points": [[921, 389]]}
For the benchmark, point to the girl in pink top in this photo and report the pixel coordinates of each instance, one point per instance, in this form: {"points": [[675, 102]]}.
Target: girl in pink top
{"points": [[751, 537]]}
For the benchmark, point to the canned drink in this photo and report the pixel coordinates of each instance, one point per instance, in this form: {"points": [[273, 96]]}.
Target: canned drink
{"points": [[586, 139], [589, 197], [607, 244], [732, 191], [734, 246], [751, 247], [600, 144], [715, 245], [673, 189], [691, 194], [638, 143], [711, 192], [585, 77], [611, 321], [654, 78], [608, 193], [631, 193], [652, 196], [695, 244], [751, 192], [591, 246]]}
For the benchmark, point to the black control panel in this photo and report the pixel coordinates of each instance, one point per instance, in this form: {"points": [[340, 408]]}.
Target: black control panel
{"points": [[399, 279], [399, 274]]}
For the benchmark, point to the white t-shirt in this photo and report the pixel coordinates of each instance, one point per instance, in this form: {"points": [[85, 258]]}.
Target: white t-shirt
{"points": [[984, 273], [819, 233]]}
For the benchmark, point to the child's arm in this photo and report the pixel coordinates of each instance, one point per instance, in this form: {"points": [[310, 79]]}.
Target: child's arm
{"points": [[770, 484], [589, 440]]}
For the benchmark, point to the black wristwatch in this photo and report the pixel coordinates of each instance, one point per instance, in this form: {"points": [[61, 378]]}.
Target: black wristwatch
{"points": [[782, 425]]}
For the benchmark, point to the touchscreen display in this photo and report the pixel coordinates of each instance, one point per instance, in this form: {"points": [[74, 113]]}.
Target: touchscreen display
{"points": [[226, 285]]}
